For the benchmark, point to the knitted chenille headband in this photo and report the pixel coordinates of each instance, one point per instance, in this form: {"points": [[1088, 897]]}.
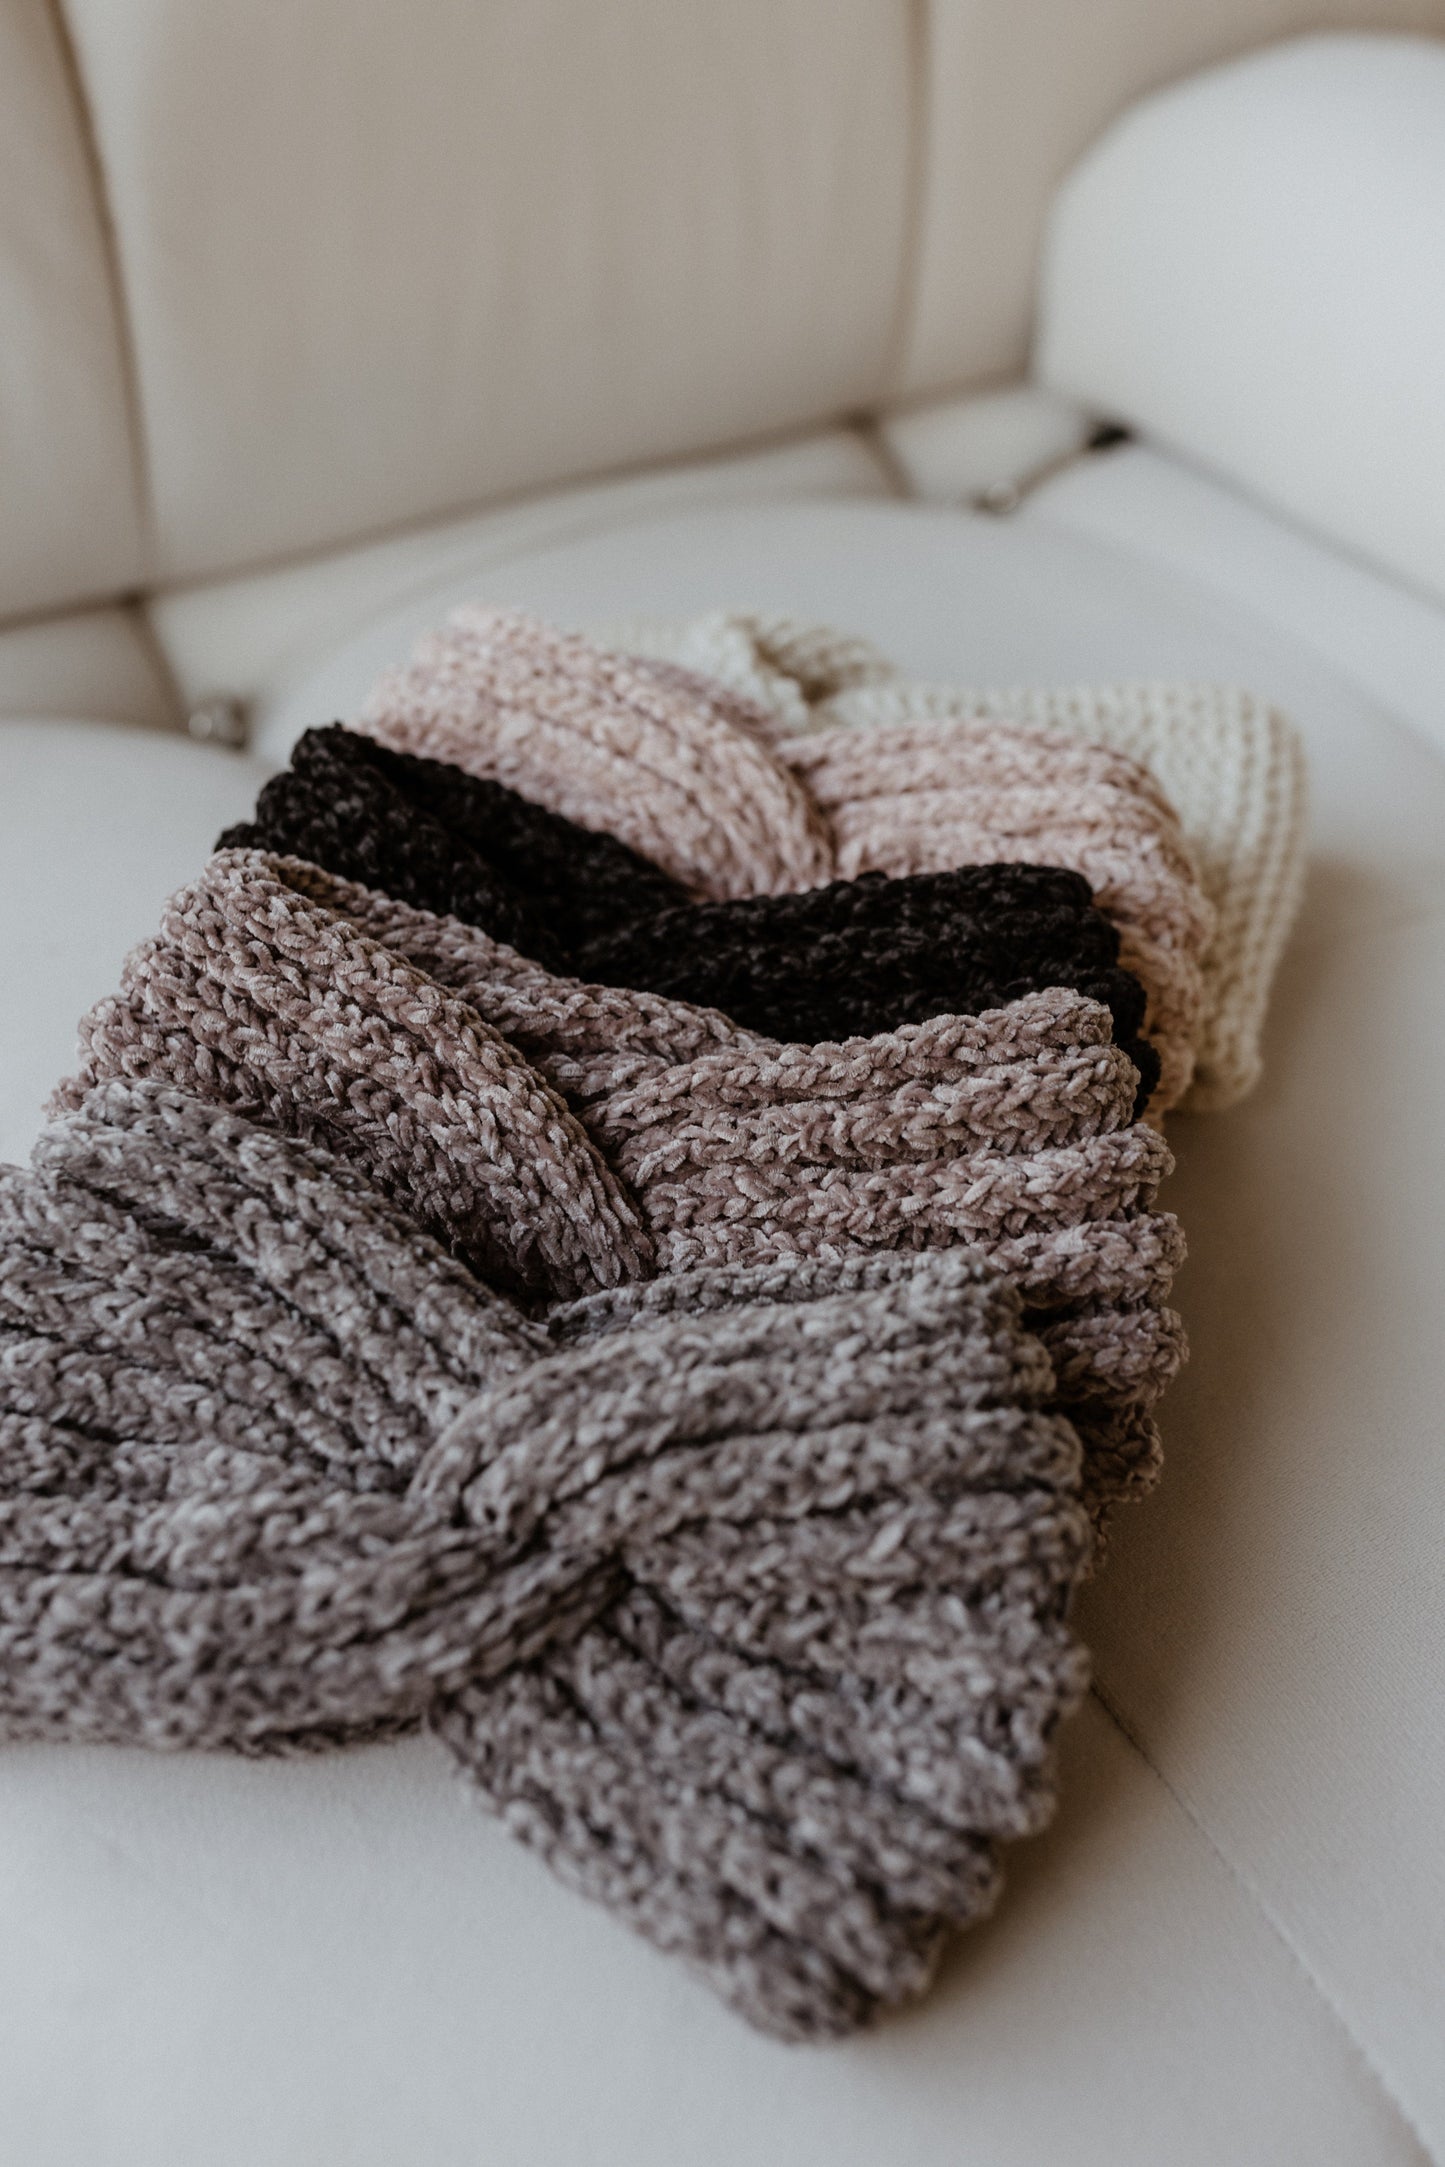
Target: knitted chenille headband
{"points": [[648, 1134], [741, 1596], [610, 1222], [1231, 766], [663, 758], [855, 957]]}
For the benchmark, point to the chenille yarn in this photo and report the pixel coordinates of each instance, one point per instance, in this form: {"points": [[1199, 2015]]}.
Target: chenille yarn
{"points": [[1231, 766], [291, 1014], [854, 957], [679, 773], [429, 833], [743, 1597], [920, 795], [648, 1134], [908, 799]]}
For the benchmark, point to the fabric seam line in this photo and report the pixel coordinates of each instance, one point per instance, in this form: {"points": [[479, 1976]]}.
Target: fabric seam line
{"points": [[1266, 1914], [120, 300]]}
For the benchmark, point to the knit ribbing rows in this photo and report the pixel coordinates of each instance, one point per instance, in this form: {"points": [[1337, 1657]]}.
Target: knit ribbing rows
{"points": [[985, 793], [431, 834], [646, 1133], [741, 1595], [852, 958], [1230, 765], [921, 795], [688, 782]]}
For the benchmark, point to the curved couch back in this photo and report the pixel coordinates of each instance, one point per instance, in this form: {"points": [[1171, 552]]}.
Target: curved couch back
{"points": [[277, 274]]}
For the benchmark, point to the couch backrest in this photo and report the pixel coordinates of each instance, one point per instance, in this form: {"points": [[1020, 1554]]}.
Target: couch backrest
{"points": [[276, 274]]}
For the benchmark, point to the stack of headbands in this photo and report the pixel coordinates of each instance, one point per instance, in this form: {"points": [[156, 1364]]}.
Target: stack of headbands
{"points": [[616, 1220]]}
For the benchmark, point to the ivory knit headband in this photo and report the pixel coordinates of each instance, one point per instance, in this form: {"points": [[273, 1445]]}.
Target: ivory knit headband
{"points": [[744, 1600], [647, 1133], [1230, 765], [505, 696], [852, 958]]}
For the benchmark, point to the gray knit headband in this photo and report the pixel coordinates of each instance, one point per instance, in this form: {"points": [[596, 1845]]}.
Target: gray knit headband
{"points": [[741, 1594], [647, 1135]]}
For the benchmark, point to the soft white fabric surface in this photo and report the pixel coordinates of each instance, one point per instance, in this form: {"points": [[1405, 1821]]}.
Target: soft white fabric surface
{"points": [[98, 824], [343, 1961], [69, 507], [251, 637], [1014, 91], [97, 662], [1387, 638], [279, 277], [952, 450], [1232, 1946], [1249, 267], [381, 263]]}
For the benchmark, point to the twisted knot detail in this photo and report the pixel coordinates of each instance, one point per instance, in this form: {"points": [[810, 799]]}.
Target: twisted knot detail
{"points": [[742, 1594]]}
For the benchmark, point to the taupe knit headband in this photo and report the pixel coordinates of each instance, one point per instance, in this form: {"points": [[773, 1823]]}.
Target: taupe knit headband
{"points": [[683, 770], [563, 1137], [741, 1595]]}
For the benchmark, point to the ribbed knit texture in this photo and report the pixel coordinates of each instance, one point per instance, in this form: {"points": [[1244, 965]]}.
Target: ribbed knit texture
{"points": [[610, 1222], [742, 1597], [1230, 765], [429, 833], [504, 696], [682, 775], [1233, 768], [918, 796], [648, 1134], [855, 957]]}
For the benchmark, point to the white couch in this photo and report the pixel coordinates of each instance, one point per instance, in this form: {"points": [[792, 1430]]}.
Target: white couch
{"points": [[318, 314]]}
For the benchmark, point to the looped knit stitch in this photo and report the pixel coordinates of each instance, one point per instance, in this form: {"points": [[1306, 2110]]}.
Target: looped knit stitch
{"points": [[288, 1012], [742, 1597], [679, 773], [1231, 766], [924, 795], [855, 957], [919, 798], [431, 834], [649, 1134]]}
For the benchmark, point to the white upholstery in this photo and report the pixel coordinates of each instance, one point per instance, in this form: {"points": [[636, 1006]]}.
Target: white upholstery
{"points": [[1233, 1944], [103, 663], [342, 1961], [389, 262], [1014, 91], [281, 276], [952, 451], [69, 507], [1249, 268], [250, 637], [1389, 640], [97, 826]]}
